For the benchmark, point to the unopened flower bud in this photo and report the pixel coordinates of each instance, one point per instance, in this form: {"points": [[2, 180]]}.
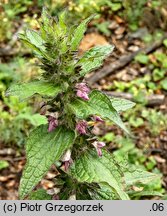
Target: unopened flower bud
{"points": [[82, 95], [53, 123], [83, 87], [97, 118], [81, 127], [82, 91]]}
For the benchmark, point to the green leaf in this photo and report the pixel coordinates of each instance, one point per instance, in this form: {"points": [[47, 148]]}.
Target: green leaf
{"points": [[158, 74], [45, 17], [121, 104], [98, 104], [93, 58], [142, 58], [163, 83], [62, 21], [165, 42], [79, 33], [114, 6], [43, 149], [32, 46], [35, 119], [105, 192], [40, 194], [103, 27], [92, 169], [139, 176], [35, 42], [34, 38], [3, 164], [26, 90]]}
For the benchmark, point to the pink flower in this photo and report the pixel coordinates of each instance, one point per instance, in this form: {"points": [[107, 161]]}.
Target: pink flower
{"points": [[82, 95], [82, 87], [81, 127], [82, 91], [98, 146], [53, 123], [97, 119]]}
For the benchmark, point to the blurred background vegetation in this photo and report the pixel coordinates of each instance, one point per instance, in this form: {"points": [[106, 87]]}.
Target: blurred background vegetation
{"points": [[134, 27]]}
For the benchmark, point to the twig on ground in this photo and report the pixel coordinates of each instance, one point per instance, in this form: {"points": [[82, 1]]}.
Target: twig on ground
{"points": [[123, 61], [152, 100]]}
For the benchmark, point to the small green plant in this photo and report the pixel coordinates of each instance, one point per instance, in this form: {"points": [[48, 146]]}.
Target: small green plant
{"points": [[3, 164], [127, 150], [156, 120], [142, 58], [86, 170], [133, 11], [16, 119]]}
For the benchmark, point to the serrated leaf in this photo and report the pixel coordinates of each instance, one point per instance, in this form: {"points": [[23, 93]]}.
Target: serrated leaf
{"points": [[121, 104], [93, 58], [34, 38], [79, 33], [105, 192], [43, 149], [33, 47], [26, 90], [62, 19], [45, 16], [40, 194], [98, 104], [92, 169], [139, 176]]}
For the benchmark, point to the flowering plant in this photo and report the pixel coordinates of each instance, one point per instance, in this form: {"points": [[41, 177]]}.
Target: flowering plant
{"points": [[85, 168]]}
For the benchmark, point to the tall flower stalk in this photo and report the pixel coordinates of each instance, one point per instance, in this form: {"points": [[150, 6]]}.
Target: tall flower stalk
{"points": [[65, 138]]}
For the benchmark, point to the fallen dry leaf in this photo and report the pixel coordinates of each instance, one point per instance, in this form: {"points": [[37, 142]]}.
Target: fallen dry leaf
{"points": [[120, 30], [91, 40], [118, 19]]}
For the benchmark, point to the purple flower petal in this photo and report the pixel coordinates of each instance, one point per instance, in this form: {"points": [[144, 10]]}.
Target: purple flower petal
{"points": [[82, 91], [97, 118], [81, 127], [82, 87], [82, 95], [98, 146], [53, 123], [99, 152]]}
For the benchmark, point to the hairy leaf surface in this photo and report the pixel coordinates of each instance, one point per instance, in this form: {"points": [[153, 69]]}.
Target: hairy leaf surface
{"points": [[121, 104], [92, 169], [43, 149], [139, 176], [27, 90], [93, 58], [79, 33], [40, 194]]}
